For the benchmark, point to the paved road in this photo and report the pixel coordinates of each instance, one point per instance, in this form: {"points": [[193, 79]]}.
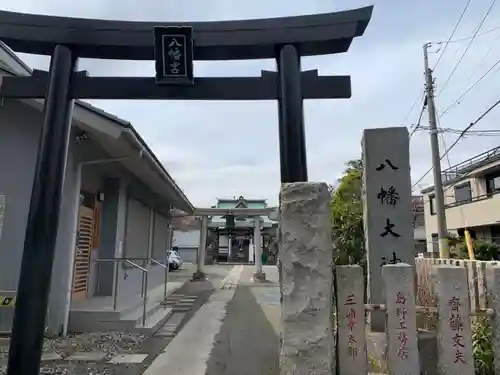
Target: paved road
{"points": [[236, 332], [248, 341]]}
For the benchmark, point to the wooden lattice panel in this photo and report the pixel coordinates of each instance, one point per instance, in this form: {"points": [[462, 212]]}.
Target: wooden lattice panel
{"points": [[83, 252]]}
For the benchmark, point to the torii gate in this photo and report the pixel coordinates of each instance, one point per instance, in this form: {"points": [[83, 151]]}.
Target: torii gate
{"points": [[270, 212], [285, 39]]}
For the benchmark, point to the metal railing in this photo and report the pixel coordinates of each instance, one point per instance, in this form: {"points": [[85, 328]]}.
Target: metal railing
{"points": [[144, 279], [466, 166], [165, 267]]}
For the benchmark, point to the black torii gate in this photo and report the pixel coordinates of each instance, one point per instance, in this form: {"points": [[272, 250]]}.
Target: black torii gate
{"points": [[66, 39]]}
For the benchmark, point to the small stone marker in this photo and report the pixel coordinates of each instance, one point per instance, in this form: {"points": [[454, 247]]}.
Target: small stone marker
{"points": [[387, 206], [492, 274], [454, 334], [351, 344], [307, 345], [402, 340]]}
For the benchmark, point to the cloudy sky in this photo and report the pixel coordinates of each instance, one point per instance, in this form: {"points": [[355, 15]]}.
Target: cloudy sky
{"points": [[218, 149]]}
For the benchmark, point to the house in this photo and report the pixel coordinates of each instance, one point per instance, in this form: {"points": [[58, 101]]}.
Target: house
{"points": [[116, 204], [471, 199], [419, 224], [186, 237]]}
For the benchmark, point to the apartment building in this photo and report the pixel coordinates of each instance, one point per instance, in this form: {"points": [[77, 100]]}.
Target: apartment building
{"points": [[472, 200], [419, 224]]}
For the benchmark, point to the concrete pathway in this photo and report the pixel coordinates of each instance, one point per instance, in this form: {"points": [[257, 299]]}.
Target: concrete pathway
{"points": [[235, 333]]}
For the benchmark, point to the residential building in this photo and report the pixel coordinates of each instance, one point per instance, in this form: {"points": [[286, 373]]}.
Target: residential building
{"points": [[419, 224], [471, 199], [186, 237], [116, 205]]}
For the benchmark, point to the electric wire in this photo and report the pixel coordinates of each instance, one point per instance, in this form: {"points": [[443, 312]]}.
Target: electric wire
{"points": [[458, 100], [443, 141], [462, 134], [452, 33], [412, 107], [467, 37], [417, 124], [467, 48]]}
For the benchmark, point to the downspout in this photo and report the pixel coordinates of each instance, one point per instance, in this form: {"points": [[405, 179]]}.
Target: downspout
{"points": [[74, 233]]}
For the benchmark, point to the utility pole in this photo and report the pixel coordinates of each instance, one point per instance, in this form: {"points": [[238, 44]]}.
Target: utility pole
{"points": [[436, 159]]}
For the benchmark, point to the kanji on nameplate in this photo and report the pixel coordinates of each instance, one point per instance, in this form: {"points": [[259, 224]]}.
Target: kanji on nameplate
{"points": [[388, 218]]}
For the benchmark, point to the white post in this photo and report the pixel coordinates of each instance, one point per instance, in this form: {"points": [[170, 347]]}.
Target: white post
{"points": [[258, 275], [229, 246], [307, 344], [351, 321], [493, 297], [200, 259], [454, 333], [73, 249], [401, 323]]}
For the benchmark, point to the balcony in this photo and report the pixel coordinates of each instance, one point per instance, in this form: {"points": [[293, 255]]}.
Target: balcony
{"points": [[463, 169], [479, 211]]}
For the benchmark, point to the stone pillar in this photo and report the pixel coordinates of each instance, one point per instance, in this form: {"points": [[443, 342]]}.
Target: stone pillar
{"points": [[351, 341], [493, 296], [402, 344], [258, 274], [307, 345], [454, 333], [229, 246], [388, 218], [200, 258]]}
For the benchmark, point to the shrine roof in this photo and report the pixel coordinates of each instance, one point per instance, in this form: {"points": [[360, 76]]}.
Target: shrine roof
{"points": [[318, 34]]}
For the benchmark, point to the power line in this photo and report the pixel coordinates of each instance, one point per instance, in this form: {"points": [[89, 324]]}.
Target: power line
{"points": [[468, 47], [462, 134], [452, 33], [412, 107], [457, 101], [467, 37], [444, 143], [487, 132], [417, 124]]}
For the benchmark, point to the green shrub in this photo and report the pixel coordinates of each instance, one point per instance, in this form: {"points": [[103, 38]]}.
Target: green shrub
{"points": [[481, 342]]}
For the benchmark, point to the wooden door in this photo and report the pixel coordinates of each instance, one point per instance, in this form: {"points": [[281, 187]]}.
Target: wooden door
{"points": [[83, 252]]}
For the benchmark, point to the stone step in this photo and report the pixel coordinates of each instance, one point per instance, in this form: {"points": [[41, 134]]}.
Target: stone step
{"points": [[154, 321], [169, 329]]}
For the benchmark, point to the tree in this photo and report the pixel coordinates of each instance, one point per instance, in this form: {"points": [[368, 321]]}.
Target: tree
{"points": [[347, 216], [483, 250]]}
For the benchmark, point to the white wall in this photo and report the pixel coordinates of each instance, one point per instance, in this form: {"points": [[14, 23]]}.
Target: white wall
{"points": [[186, 239]]}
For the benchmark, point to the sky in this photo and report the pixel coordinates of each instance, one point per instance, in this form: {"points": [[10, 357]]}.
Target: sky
{"points": [[227, 149]]}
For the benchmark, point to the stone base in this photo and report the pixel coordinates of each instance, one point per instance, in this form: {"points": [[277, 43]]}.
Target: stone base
{"points": [[259, 276], [199, 276]]}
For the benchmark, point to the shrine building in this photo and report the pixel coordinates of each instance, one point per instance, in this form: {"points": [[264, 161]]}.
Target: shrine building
{"points": [[235, 236]]}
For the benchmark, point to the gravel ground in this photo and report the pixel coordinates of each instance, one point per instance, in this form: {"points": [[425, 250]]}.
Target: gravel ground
{"points": [[112, 343]]}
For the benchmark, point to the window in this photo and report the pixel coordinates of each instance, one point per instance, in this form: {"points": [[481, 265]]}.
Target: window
{"points": [[495, 233], [463, 193], [493, 182], [435, 243], [432, 204]]}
